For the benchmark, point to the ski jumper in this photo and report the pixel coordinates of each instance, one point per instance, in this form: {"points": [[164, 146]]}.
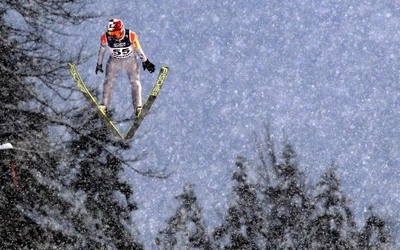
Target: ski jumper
{"points": [[123, 56]]}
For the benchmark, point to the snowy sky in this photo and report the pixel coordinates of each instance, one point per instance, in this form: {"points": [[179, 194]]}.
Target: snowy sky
{"points": [[324, 74]]}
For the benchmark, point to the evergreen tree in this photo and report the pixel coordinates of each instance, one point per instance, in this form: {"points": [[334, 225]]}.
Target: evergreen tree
{"points": [[31, 213], [332, 224], [374, 234], [103, 219], [242, 228], [185, 229], [288, 204], [286, 215]]}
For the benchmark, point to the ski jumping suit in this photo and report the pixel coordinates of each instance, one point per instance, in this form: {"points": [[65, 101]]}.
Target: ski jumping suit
{"points": [[122, 57]]}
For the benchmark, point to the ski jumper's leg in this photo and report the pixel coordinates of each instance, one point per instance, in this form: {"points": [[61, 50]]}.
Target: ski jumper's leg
{"points": [[112, 70], [131, 66]]}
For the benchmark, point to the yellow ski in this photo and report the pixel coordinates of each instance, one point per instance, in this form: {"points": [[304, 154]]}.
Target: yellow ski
{"points": [[147, 105], [85, 91]]}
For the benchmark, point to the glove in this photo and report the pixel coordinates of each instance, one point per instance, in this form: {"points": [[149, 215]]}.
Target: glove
{"points": [[149, 66], [99, 67]]}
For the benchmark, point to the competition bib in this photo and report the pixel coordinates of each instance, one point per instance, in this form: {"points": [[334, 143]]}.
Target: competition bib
{"points": [[120, 49], [121, 52]]}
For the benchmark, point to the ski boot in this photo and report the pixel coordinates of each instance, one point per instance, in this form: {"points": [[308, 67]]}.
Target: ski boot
{"points": [[105, 110], [138, 110]]}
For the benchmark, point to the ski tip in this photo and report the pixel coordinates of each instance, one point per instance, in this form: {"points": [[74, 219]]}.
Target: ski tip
{"points": [[71, 65]]}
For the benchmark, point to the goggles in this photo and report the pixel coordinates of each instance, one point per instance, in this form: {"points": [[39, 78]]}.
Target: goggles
{"points": [[115, 33]]}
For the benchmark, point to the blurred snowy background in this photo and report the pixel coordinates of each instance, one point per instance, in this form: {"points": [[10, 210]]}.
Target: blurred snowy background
{"points": [[323, 75]]}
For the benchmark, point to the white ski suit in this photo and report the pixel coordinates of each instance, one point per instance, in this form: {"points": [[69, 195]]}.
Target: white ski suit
{"points": [[123, 56]]}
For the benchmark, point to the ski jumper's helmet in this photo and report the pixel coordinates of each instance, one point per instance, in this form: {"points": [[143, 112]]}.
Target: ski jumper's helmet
{"points": [[115, 29]]}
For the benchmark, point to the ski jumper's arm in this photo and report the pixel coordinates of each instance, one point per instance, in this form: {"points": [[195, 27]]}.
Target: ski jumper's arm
{"points": [[136, 45], [102, 50]]}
